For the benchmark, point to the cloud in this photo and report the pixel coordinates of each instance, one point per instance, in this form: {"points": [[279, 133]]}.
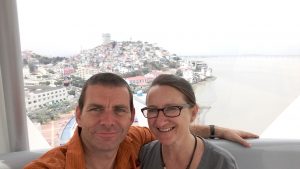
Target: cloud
{"points": [[183, 27]]}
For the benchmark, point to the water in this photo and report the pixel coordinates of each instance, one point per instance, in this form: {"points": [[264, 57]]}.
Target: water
{"points": [[248, 92]]}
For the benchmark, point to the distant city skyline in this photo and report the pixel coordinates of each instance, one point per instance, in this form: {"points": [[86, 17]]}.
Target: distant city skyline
{"points": [[64, 27]]}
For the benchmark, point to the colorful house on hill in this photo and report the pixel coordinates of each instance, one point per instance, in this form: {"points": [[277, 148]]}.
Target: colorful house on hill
{"points": [[138, 80]]}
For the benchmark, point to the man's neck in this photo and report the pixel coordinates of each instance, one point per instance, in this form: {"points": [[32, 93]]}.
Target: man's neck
{"points": [[100, 160]]}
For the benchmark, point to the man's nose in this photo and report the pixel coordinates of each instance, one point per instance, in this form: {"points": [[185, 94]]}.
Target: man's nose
{"points": [[107, 118]]}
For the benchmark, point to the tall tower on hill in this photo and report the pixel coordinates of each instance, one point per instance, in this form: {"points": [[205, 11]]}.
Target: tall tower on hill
{"points": [[106, 38]]}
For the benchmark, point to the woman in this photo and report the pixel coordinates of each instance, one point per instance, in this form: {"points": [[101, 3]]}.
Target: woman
{"points": [[171, 107]]}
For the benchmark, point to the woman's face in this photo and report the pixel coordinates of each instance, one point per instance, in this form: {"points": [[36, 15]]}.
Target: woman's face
{"points": [[169, 130]]}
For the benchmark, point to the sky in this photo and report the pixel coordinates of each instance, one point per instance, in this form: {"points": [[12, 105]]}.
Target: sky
{"points": [[183, 27]]}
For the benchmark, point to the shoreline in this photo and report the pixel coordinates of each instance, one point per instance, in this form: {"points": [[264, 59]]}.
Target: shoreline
{"points": [[249, 93]]}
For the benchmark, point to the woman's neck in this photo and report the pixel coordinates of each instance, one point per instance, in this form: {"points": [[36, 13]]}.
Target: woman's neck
{"points": [[180, 154], [186, 142]]}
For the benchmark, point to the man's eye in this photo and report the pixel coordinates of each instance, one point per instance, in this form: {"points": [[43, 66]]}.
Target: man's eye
{"points": [[95, 109], [121, 111]]}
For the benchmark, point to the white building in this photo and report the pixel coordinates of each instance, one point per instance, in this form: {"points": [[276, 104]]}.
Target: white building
{"points": [[39, 96], [188, 74], [86, 73]]}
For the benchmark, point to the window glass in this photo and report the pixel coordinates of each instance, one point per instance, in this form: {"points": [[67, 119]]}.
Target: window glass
{"points": [[242, 57]]}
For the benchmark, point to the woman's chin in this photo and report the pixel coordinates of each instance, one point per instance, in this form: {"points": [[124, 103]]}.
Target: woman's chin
{"points": [[165, 139]]}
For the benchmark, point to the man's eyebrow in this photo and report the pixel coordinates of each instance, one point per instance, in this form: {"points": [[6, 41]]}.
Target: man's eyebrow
{"points": [[102, 106], [121, 106], [95, 105]]}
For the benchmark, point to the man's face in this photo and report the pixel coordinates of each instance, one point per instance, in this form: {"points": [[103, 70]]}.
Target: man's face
{"points": [[105, 117]]}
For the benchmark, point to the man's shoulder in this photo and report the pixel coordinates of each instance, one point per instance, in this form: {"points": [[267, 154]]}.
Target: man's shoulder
{"points": [[59, 151], [139, 134], [54, 158], [139, 131], [70, 155]]}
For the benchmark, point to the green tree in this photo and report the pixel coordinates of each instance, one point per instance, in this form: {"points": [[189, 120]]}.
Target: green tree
{"points": [[25, 62], [179, 72], [156, 65], [173, 65], [51, 71], [44, 60], [32, 67], [145, 70], [47, 83], [58, 82], [45, 76], [71, 92], [77, 81]]}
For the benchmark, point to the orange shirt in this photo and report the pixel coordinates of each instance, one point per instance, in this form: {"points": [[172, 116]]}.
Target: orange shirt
{"points": [[71, 156]]}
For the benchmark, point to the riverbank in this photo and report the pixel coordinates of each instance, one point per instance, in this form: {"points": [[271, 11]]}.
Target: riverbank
{"points": [[249, 93]]}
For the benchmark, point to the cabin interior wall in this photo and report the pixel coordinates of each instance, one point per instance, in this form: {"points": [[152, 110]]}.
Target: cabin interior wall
{"points": [[13, 132], [4, 144]]}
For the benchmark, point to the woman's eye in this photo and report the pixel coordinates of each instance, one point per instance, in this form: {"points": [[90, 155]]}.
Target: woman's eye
{"points": [[171, 108], [152, 110]]}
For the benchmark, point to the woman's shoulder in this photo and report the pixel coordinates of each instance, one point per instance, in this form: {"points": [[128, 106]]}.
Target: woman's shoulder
{"points": [[151, 147], [218, 154], [150, 150], [149, 155], [215, 149]]}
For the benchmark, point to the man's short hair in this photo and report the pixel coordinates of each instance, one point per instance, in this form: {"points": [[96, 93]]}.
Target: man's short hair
{"points": [[105, 79]]}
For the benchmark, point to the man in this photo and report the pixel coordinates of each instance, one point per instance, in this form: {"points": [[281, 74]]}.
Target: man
{"points": [[105, 138]]}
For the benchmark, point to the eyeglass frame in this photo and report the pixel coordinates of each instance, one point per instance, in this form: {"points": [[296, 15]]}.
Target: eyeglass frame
{"points": [[180, 107]]}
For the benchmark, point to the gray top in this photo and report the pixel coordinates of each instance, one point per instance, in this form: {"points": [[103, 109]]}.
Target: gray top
{"points": [[214, 157]]}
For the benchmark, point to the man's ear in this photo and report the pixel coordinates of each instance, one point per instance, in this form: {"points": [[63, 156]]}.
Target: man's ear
{"points": [[78, 116], [132, 115]]}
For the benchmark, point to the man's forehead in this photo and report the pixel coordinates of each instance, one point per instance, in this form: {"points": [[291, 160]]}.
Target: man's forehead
{"points": [[107, 87], [108, 92]]}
